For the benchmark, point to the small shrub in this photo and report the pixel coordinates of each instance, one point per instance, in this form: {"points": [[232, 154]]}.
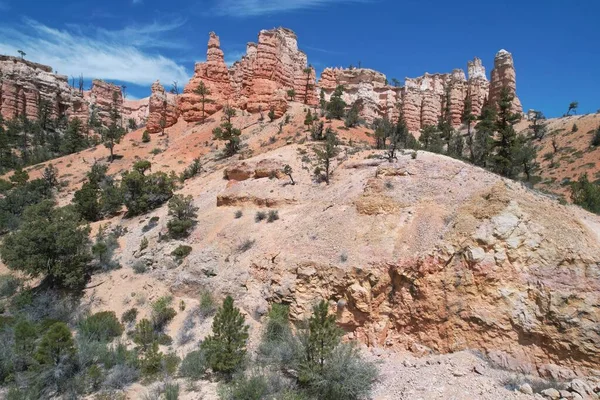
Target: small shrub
{"points": [[344, 257], [414, 155], [254, 387], [162, 314], [260, 216], [169, 364], [144, 243], [389, 185], [146, 137], [575, 128], [129, 316], [139, 267], [273, 216], [102, 326], [238, 214], [596, 138], [246, 245], [181, 252], [155, 151], [193, 365]]}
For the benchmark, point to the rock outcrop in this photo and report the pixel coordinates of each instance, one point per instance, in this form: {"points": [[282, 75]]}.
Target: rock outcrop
{"points": [[257, 82], [425, 99], [504, 76], [163, 111], [25, 85]]}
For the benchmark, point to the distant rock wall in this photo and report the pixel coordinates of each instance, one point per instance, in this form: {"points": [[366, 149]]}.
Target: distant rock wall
{"points": [[24, 84], [423, 99], [163, 111]]}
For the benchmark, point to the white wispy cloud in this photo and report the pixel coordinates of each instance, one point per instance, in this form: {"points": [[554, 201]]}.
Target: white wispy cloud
{"points": [[252, 8], [127, 55]]}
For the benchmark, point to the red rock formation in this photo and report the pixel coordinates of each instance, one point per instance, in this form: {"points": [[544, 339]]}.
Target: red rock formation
{"points": [[423, 99], [255, 82], [162, 109], [103, 95], [24, 83], [215, 76], [504, 75]]}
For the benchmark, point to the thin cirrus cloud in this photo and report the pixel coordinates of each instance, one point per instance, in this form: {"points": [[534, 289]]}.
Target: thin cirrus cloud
{"points": [[126, 55], [253, 8]]}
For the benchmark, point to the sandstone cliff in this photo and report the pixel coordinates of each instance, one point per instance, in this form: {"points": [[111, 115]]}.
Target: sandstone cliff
{"points": [[24, 84], [257, 82], [423, 100]]}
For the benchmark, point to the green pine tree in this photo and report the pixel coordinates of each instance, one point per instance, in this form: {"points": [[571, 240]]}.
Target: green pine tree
{"points": [[326, 153], [336, 106], [225, 349], [113, 134], [323, 336], [227, 132], [505, 145], [203, 91], [55, 345]]}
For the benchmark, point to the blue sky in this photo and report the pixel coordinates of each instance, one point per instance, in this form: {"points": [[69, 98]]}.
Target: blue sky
{"points": [[555, 43]]}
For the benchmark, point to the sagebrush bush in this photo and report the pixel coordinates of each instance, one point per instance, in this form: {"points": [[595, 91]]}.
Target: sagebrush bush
{"points": [[102, 326], [171, 391], [238, 214], [194, 365], [139, 267], [121, 376]]}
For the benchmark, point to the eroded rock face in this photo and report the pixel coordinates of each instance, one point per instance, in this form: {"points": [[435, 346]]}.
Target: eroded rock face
{"points": [[365, 85], [504, 76], [255, 83], [163, 111], [24, 84], [423, 100]]}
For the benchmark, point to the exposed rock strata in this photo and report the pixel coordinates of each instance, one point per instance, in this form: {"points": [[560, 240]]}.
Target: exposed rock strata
{"points": [[255, 83], [25, 84], [423, 99]]}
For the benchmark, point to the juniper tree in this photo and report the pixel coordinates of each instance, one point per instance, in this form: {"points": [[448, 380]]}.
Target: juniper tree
{"points": [[352, 117], [52, 243], [538, 126], [271, 114], [225, 348], [326, 153], [203, 91], [287, 169], [525, 157], [382, 131], [322, 103], [573, 107], [336, 105], [291, 94], [183, 213], [431, 139], [227, 132], [112, 134]]}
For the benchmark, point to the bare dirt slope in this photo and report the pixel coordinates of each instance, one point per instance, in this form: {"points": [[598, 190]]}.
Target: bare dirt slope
{"points": [[426, 254]]}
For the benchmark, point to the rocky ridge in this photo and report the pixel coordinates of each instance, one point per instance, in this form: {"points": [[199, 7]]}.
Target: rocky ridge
{"points": [[423, 99]]}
